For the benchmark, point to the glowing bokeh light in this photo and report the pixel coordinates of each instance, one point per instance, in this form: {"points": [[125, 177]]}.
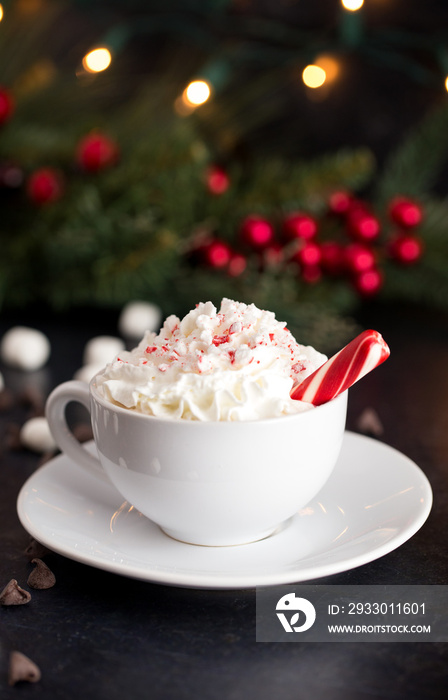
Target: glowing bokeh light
{"points": [[352, 5], [446, 84], [1, 12], [330, 65], [196, 93], [97, 60], [314, 76]]}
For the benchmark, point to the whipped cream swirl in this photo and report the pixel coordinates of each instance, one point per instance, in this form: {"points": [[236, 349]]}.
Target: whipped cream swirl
{"points": [[235, 364]]}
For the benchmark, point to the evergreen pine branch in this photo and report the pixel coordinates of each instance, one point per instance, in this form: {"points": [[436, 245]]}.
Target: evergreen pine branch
{"points": [[345, 169], [274, 187], [412, 169], [434, 227], [427, 284]]}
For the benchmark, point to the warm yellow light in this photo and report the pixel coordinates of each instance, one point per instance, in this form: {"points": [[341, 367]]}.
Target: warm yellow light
{"points": [[196, 93], [97, 60], [1, 12], [330, 65], [352, 5], [314, 76], [446, 84]]}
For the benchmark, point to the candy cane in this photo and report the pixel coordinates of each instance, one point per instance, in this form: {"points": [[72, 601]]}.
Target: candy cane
{"points": [[360, 356]]}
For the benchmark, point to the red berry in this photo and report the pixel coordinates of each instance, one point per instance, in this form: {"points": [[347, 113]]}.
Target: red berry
{"points": [[405, 212], [217, 180], [45, 186], [96, 151], [358, 205], [339, 202], [332, 257], [299, 225], [237, 265], [311, 273], [369, 282], [358, 258], [257, 232], [309, 255], [217, 254], [406, 249], [363, 225], [7, 105]]}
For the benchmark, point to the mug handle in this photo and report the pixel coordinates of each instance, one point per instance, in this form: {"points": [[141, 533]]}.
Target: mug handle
{"points": [[55, 413]]}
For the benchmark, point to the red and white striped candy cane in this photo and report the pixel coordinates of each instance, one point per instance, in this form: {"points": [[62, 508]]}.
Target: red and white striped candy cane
{"points": [[360, 356]]}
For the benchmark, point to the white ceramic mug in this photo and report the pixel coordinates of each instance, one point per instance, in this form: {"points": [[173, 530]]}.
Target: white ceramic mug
{"points": [[206, 483]]}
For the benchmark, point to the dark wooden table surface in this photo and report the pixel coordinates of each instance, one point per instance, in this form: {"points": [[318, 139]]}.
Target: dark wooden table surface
{"points": [[99, 635]]}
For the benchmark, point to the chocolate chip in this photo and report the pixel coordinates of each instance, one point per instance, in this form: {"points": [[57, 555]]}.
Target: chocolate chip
{"points": [[36, 550], [12, 594], [41, 577], [21, 668], [369, 423]]}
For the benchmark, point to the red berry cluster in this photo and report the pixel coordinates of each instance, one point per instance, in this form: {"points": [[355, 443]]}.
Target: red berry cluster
{"points": [[217, 254], [94, 153], [348, 241], [369, 244]]}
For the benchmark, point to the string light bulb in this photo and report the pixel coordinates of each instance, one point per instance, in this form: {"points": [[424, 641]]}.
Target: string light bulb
{"points": [[1, 12], [196, 93], [97, 60], [352, 5], [446, 83], [314, 76], [330, 65]]}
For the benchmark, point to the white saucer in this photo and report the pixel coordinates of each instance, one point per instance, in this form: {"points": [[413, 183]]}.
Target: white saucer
{"points": [[375, 500]]}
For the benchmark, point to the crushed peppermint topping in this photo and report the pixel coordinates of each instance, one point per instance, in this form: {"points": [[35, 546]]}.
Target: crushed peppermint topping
{"points": [[235, 363]]}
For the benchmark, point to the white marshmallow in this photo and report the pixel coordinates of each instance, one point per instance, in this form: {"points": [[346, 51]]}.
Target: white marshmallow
{"points": [[25, 348], [102, 349], [35, 435], [138, 317]]}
